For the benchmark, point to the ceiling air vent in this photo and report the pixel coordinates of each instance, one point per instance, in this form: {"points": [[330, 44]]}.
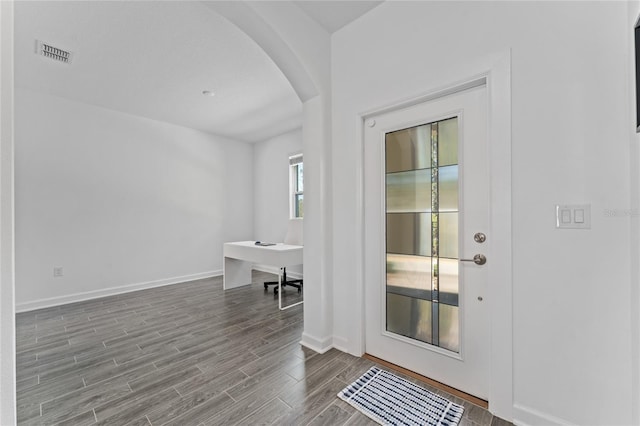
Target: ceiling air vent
{"points": [[52, 52]]}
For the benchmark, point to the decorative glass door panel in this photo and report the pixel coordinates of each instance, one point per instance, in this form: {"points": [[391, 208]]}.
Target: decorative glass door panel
{"points": [[422, 287]]}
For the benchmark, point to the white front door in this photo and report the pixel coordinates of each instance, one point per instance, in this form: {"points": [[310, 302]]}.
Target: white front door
{"points": [[426, 211]]}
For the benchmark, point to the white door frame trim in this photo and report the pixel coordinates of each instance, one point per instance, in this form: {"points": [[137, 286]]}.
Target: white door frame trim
{"points": [[495, 72]]}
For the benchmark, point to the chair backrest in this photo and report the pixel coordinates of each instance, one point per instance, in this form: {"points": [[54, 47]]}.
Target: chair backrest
{"points": [[294, 233]]}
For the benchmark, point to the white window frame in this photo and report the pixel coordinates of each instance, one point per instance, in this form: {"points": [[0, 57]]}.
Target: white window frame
{"points": [[294, 161]]}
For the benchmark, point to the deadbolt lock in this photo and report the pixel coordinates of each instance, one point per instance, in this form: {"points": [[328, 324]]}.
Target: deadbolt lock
{"points": [[479, 238]]}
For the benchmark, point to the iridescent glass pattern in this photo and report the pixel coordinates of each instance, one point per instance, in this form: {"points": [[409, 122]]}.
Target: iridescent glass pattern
{"points": [[422, 233]]}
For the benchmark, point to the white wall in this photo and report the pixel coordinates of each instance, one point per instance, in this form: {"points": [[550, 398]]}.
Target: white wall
{"points": [[634, 160], [119, 200], [570, 144], [7, 290], [271, 189], [271, 185]]}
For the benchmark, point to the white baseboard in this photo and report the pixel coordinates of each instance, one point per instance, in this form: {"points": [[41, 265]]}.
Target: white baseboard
{"points": [[275, 270], [525, 416], [341, 344], [316, 344], [111, 291]]}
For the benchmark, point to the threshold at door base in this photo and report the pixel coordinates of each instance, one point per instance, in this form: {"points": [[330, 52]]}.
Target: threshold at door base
{"points": [[453, 391]]}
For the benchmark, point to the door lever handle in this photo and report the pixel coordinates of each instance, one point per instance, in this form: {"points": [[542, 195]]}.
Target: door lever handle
{"points": [[478, 259]]}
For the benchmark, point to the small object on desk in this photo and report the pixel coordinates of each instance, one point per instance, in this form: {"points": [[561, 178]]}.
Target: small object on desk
{"points": [[260, 243]]}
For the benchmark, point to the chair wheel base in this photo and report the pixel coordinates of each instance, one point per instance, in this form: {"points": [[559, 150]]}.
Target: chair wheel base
{"points": [[284, 282]]}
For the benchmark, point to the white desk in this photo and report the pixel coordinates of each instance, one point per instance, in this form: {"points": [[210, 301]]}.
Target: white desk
{"points": [[240, 255]]}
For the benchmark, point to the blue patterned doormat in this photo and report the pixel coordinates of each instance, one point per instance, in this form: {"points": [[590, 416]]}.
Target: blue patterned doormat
{"points": [[392, 400]]}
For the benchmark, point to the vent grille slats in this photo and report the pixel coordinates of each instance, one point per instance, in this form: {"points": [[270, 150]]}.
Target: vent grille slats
{"points": [[52, 52]]}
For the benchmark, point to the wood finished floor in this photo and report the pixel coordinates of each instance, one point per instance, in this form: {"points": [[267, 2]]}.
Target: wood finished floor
{"points": [[185, 354]]}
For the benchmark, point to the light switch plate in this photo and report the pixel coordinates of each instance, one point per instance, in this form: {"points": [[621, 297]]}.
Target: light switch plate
{"points": [[573, 216]]}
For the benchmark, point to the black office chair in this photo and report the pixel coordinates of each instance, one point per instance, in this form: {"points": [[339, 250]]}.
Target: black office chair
{"points": [[293, 237]]}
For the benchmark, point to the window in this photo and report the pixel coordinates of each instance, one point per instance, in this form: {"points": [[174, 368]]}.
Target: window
{"points": [[296, 186]]}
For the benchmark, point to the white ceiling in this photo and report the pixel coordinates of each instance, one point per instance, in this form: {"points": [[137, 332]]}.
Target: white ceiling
{"points": [[333, 15], [154, 59]]}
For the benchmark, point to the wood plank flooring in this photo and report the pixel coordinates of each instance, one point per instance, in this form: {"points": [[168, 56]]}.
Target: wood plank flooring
{"points": [[184, 354]]}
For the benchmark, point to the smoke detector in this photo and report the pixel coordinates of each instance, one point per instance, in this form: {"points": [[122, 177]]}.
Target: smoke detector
{"points": [[52, 52]]}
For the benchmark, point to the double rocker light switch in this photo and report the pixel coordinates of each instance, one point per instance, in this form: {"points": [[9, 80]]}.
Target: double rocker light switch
{"points": [[575, 216]]}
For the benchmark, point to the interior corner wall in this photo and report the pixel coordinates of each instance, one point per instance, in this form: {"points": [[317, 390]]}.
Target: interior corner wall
{"points": [[120, 202], [271, 184], [572, 354]]}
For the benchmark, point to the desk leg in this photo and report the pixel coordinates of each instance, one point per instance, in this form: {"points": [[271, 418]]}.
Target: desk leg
{"points": [[236, 273], [280, 295], [280, 289]]}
